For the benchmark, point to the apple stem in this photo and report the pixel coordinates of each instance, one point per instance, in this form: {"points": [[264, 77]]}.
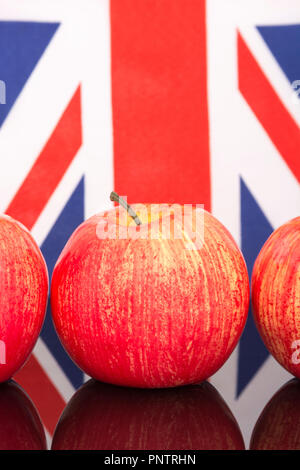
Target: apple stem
{"points": [[116, 198]]}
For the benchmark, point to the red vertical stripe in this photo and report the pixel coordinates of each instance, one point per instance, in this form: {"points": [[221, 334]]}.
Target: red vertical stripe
{"points": [[159, 96]]}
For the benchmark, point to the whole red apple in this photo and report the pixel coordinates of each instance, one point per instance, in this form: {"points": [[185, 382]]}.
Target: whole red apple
{"points": [[23, 295], [278, 427], [159, 308], [106, 417], [276, 295], [20, 424]]}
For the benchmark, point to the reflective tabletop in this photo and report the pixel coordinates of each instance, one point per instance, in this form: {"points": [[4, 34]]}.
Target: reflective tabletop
{"points": [[106, 417]]}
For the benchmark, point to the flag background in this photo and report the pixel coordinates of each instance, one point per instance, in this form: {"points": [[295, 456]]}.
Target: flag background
{"points": [[163, 101]]}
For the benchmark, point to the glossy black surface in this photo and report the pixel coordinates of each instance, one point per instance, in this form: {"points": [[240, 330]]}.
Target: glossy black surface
{"points": [[106, 417]]}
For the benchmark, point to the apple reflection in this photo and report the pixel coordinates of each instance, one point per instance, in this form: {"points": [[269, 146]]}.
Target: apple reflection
{"points": [[102, 416], [20, 424], [278, 426]]}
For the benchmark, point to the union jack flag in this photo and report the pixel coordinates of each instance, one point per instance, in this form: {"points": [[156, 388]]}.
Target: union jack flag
{"points": [[164, 101]]}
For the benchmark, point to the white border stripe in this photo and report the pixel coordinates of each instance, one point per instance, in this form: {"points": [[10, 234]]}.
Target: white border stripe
{"points": [[54, 371]]}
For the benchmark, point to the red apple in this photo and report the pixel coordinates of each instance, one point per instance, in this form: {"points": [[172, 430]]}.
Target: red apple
{"points": [[276, 295], [106, 417], [278, 427], [20, 424], [23, 295], [150, 311]]}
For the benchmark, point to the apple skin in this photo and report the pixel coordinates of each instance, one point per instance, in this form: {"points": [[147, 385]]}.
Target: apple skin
{"points": [[276, 294], [20, 424], [278, 426], [149, 312], [108, 417], [24, 292]]}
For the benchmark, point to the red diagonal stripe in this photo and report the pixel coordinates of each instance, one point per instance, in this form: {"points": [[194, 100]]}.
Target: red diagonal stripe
{"points": [[49, 167], [41, 390], [26, 207], [159, 97], [268, 108]]}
